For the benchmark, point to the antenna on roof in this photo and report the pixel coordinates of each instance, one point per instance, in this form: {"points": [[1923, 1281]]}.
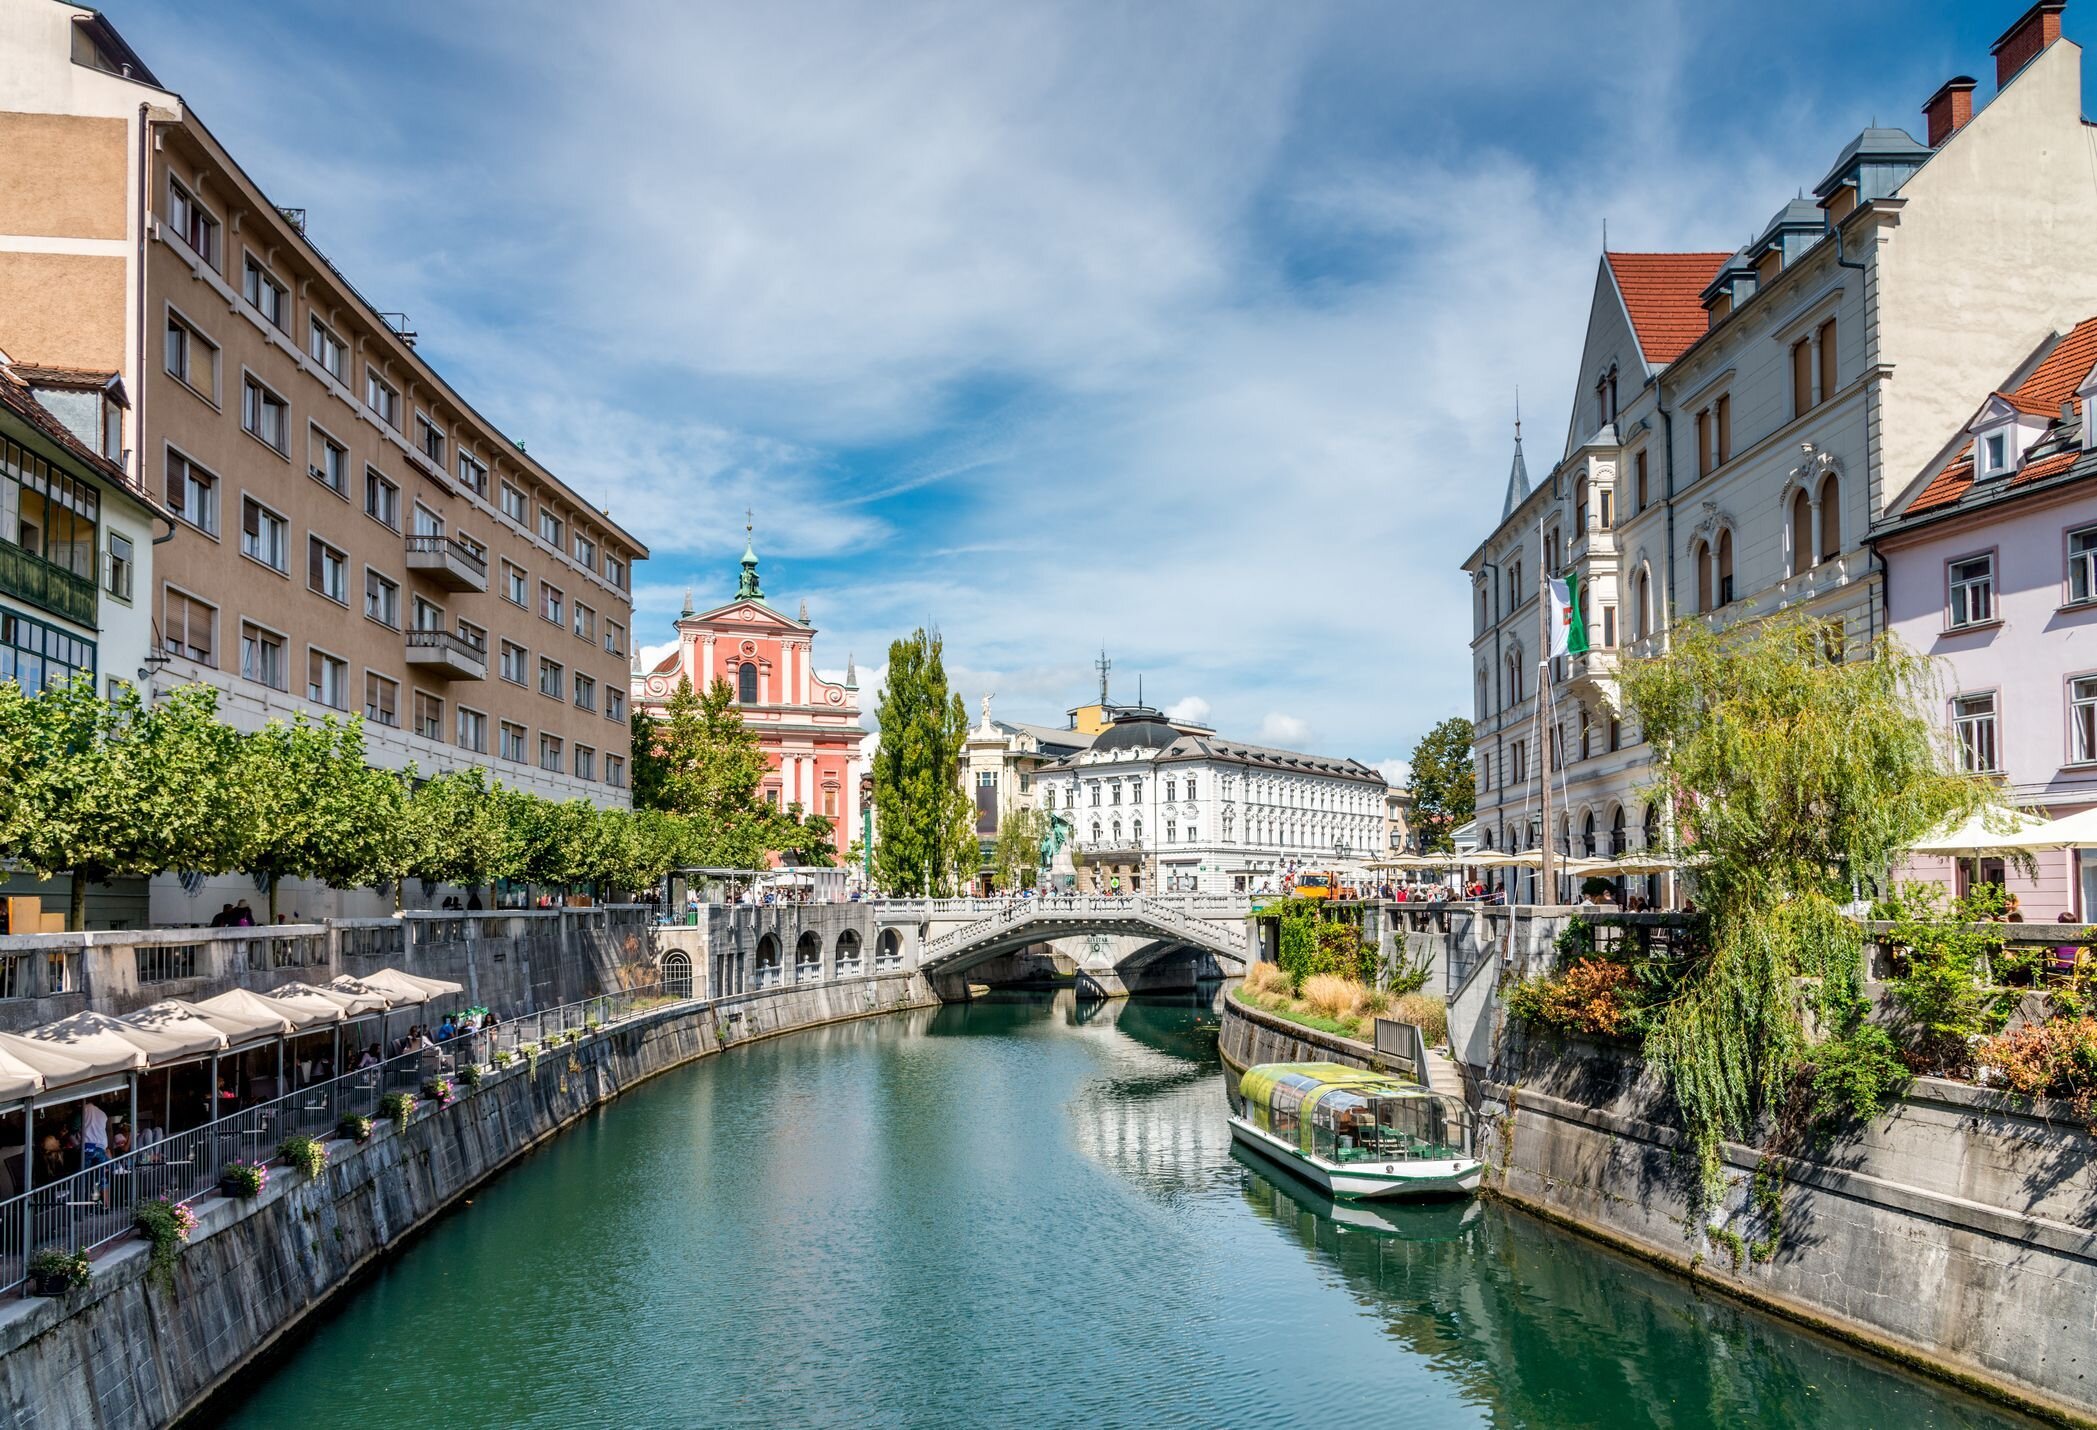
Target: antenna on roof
{"points": [[1518, 414]]}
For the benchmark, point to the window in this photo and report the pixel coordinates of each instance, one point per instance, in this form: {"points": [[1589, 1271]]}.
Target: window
{"points": [[2082, 564], [381, 699], [550, 674], [1725, 567], [381, 498], [327, 679], [585, 622], [1995, 453], [585, 693], [2082, 720], [615, 775], [262, 657], [1801, 377], [429, 439], [328, 350], [585, 763], [513, 658], [1190, 787], [746, 693], [1579, 521], [265, 415], [189, 628], [36, 656], [1830, 518], [473, 731], [549, 528], [382, 397], [513, 503], [615, 572], [1722, 430], [191, 223], [1608, 627], [1801, 533], [512, 584], [266, 294], [425, 522], [119, 567], [429, 716], [264, 536], [327, 461], [550, 755], [473, 476], [550, 600], [1973, 723], [1825, 342], [512, 742], [1607, 501], [192, 492], [1972, 591], [427, 615], [614, 638], [381, 599], [585, 556], [615, 709], [192, 358], [327, 570]]}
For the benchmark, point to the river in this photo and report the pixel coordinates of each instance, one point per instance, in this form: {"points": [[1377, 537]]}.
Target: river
{"points": [[1019, 1213]]}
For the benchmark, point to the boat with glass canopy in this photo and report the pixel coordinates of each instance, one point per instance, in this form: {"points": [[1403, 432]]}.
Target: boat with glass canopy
{"points": [[1356, 1133]]}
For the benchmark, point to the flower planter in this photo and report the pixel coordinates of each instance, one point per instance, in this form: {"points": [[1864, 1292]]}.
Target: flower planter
{"points": [[51, 1283]]}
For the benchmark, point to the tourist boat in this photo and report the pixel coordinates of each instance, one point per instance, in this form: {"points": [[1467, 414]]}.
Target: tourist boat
{"points": [[1388, 1219], [1355, 1133]]}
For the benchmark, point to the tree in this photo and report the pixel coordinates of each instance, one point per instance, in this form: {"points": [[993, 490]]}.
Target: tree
{"points": [[1789, 775], [460, 831], [108, 788], [650, 770], [1015, 859], [1444, 784], [314, 809], [711, 770], [926, 824], [807, 840], [555, 839]]}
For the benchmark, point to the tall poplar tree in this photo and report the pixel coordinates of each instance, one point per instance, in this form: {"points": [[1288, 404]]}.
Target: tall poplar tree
{"points": [[925, 824]]}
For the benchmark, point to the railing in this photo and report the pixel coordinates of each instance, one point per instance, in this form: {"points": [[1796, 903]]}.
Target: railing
{"points": [[455, 644], [167, 962], [451, 546], [1010, 914], [92, 1207], [43, 584], [271, 952]]}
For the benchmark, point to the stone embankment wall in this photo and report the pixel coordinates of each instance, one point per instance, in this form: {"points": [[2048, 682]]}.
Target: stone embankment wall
{"points": [[125, 1355]]}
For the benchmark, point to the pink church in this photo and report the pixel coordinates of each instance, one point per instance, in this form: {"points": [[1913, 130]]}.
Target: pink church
{"points": [[809, 726]]}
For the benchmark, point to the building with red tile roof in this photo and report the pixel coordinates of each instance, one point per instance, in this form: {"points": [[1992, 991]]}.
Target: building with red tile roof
{"points": [[1662, 295]]}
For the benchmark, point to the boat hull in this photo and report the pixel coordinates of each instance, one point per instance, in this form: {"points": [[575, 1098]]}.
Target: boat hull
{"points": [[1458, 1177]]}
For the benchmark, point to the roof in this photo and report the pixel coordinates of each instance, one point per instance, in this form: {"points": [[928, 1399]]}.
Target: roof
{"points": [[1049, 737], [1876, 143], [17, 397], [1517, 479], [80, 379], [1661, 293], [1179, 747], [2057, 450]]}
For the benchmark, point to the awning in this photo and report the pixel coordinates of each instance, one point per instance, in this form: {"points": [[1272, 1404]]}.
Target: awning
{"points": [[386, 980], [160, 1045], [290, 1017], [1990, 831], [59, 1066], [314, 996], [18, 1080], [401, 997], [239, 1025]]}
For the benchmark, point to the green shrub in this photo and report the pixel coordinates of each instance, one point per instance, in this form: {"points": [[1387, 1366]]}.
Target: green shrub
{"points": [[167, 1224], [471, 1075], [1855, 1075], [354, 1126], [308, 1154], [399, 1107], [71, 1268]]}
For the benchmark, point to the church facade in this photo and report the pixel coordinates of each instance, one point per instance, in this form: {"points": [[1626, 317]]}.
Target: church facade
{"points": [[808, 726]]}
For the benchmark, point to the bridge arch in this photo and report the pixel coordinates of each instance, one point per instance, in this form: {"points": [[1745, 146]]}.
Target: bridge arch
{"points": [[768, 971], [808, 957], [847, 953], [888, 949]]}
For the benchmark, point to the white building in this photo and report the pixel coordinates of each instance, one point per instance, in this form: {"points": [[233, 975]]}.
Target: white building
{"points": [[1152, 808]]}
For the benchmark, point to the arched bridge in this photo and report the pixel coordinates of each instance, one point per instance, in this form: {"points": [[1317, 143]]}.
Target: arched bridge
{"points": [[1145, 930]]}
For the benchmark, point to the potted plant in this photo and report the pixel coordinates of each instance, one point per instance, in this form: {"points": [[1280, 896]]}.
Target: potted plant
{"points": [[167, 1225], [503, 1060], [438, 1089], [308, 1154], [356, 1127], [471, 1076], [54, 1272], [243, 1178], [399, 1106]]}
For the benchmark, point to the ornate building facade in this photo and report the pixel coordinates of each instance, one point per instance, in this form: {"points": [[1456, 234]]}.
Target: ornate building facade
{"points": [[809, 727]]}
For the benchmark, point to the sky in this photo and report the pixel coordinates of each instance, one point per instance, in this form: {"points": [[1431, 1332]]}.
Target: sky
{"points": [[1188, 331]]}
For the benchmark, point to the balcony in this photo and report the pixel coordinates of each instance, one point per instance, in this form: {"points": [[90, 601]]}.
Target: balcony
{"points": [[40, 583], [448, 562], [447, 656]]}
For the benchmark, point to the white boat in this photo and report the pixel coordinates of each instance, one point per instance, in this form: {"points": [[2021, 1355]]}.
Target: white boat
{"points": [[1354, 1133]]}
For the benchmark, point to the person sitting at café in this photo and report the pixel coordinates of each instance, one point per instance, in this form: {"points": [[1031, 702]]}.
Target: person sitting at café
{"points": [[446, 1030], [370, 1058], [50, 1160]]}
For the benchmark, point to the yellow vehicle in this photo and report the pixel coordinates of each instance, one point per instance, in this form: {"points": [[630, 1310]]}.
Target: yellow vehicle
{"points": [[1317, 886]]}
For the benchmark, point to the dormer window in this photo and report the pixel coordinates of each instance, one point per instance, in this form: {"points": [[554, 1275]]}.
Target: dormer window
{"points": [[2001, 436], [1995, 453], [2086, 399]]}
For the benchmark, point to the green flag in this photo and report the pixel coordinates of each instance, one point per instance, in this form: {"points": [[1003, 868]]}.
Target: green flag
{"points": [[1568, 620]]}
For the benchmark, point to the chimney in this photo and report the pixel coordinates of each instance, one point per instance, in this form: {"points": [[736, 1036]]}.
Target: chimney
{"points": [[1949, 108], [2022, 42]]}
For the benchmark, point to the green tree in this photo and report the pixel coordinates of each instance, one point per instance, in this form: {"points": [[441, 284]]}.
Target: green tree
{"points": [[1790, 775], [461, 831], [1015, 859], [102, 789], [712, 769], [649, 769], [806, 840], [925, 823], [314, 809], [555, 839], [1444, 784]]}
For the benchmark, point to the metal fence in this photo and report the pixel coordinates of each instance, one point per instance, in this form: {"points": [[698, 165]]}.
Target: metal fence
{"points": [[95, 1206]]}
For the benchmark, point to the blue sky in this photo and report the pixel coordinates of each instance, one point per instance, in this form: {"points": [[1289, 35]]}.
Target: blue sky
{"points": [[1190, 330]]}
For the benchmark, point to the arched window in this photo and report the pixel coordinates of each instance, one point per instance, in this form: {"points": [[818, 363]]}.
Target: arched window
{"points": [[1830, 518], [746, 682], [1617, 843], [1095, 831], [1642, 605], [677, 975], [1725, 567], [1136, 830], [1587, 834], [1801, 533], [1117, 831], [1700, 557], [768, 961]]}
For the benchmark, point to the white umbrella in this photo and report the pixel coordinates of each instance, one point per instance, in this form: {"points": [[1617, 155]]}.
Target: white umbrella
{"points": [[79, 1061], [290, 1017], [239, 1025], [387, 980], [160, 1045], [1987, 832], [353, 1005], [403, 996]]}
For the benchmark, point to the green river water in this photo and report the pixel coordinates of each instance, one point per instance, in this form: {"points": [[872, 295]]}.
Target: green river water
{"points": [[1018, 1213]]}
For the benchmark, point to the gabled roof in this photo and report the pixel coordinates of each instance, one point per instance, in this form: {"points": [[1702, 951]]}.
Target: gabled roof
{"points": [[1661, 293], [2050, 384], [17, 397]]}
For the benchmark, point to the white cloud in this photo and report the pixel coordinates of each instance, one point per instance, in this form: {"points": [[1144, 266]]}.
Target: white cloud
{"points": [[1396, 773], [654, 655], [1285, 730], [1193, 710]]}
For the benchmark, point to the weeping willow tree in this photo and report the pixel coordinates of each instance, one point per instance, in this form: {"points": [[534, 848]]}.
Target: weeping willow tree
{"points": [[1790, 774]]}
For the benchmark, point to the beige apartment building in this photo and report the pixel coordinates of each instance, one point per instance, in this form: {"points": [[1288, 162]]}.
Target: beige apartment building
{"points": [[351, 535]]}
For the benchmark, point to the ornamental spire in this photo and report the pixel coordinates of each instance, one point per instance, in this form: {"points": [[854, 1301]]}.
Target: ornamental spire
{"points": [[747, 589]]}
